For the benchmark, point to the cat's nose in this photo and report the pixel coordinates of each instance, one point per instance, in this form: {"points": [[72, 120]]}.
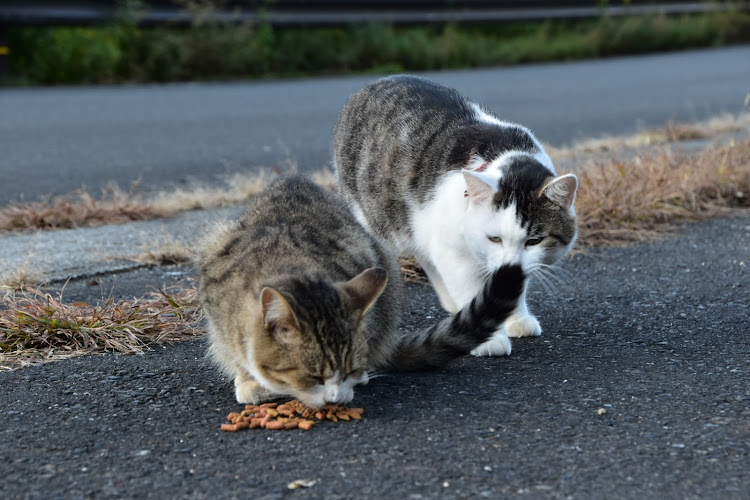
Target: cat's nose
{"points": [[332, 394], [338, 394]]}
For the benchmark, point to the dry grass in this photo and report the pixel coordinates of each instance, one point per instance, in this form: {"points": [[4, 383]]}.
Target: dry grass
{"points": [[411, 271], [164, 251], [23, 275], [19, 278], [670, 133], [80, 209], [36, 327], [620, 202], [235, 190]]}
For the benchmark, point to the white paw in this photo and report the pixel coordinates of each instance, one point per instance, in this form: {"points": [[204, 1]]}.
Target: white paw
{"points": [[250, 392], [498, 345], [523, 326]]}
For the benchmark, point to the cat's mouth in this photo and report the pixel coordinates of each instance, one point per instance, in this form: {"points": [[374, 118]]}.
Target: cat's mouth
{"points": [[328, 393]]}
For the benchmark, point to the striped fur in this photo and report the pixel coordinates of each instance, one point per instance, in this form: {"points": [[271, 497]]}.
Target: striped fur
{"points": [[302, 301], [473, 325], [442, 179]]}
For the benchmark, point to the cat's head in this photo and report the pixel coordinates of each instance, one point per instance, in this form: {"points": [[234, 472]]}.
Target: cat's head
{"points": [[519, 212], [313, 342]]}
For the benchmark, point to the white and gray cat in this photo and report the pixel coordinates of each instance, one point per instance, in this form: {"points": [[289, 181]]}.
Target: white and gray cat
{"points": [[442, 179], [302, 301]]}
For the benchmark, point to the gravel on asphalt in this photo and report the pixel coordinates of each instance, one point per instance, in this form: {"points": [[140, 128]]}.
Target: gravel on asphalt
{"points": [[639, 387]]}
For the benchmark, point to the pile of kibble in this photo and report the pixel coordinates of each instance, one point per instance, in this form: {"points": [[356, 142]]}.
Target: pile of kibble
{"points": [[290, 415]]}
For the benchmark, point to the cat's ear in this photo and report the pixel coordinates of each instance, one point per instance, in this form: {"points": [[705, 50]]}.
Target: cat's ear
{"points": [[278, 316], [479, 186], [562, 190], [365, 288]]}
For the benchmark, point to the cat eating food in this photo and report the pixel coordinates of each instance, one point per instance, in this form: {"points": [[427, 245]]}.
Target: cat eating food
{"points": [[302, 301], [442, 179]]}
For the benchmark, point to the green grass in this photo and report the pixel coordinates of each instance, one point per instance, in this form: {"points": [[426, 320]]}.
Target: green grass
{"points": [[122, 52]]}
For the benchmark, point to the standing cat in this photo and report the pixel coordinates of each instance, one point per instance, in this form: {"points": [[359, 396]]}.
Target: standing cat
{"points": [[301, 300], [462, 191]]}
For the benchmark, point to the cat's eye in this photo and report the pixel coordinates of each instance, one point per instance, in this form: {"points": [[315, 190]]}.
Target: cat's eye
{"points": [[318, 380], [355, 373], [495, 239], [533, 241]]}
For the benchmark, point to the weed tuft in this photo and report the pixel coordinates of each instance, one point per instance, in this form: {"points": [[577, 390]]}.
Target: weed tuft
{"points": [[643, 197], [34, 326], [80, 209]]}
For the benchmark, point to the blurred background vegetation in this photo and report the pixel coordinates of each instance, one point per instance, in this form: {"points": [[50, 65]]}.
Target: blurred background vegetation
{"points": [[208, 50]]}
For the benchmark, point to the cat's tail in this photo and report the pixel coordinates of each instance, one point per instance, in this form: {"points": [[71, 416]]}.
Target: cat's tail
{"points": [[456, 336]]}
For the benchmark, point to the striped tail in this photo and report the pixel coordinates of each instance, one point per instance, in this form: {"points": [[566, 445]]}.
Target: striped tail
{"points": [[456, 336]]}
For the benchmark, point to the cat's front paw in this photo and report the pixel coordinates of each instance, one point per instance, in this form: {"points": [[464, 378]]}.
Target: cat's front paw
{"points": [[250, 392], [498, 345], [523, 326]]}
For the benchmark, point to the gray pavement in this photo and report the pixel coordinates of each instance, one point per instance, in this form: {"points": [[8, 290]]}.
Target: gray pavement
{"points": [[656, 335], [57, 256], [639, 387], [53, 141]]}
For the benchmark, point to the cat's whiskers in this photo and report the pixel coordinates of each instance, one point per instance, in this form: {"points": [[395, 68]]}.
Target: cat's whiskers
{"points": [[484, 273], [377, 374], [551, 277], [544, 282]]}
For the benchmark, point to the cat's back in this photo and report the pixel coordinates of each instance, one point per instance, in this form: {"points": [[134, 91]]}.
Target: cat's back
{"points": [[397, 118], [294, 229], [394, 99], [294, 202], [294, 224]]}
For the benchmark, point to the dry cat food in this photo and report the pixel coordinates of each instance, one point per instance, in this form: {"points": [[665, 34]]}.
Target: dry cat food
{"points": [[290, 415]]}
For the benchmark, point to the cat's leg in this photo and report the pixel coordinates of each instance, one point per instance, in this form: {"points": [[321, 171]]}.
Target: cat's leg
{"points": [[446, 301], [461, 280], [456, 277], [247, 390], [521, 323]]}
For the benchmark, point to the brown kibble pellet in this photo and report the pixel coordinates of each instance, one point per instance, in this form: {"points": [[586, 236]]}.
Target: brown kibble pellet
{"points": [[289, 415], [305, 424], [266, 419]]}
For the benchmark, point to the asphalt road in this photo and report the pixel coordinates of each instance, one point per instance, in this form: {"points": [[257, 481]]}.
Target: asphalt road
{"points": [[657, 335], [53, 141]]}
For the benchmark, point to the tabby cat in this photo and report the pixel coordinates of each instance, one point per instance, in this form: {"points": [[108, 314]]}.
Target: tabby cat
{"points": [[302, 301], [442, 179]]}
